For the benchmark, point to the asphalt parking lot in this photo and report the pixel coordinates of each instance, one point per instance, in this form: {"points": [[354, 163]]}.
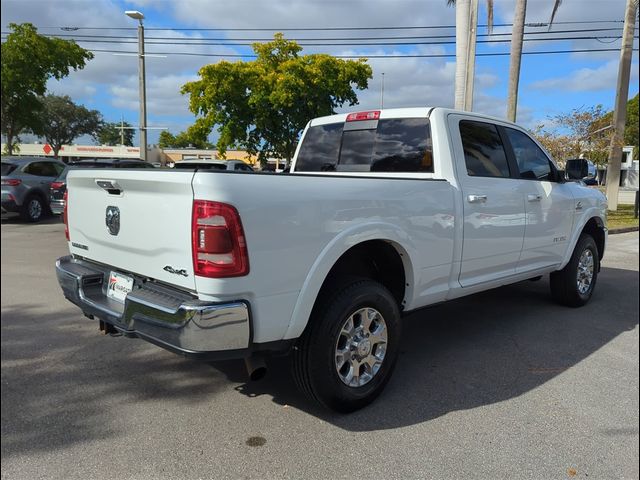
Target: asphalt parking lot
{"points": [[503, 384]]}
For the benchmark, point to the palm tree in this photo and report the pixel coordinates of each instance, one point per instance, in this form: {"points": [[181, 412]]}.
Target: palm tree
{"points": [[516, 53], [466, 27]]}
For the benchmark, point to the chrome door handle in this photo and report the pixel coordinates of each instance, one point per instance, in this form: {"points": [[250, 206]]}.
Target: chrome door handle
{"points": [[476, 198], [533, 197]]}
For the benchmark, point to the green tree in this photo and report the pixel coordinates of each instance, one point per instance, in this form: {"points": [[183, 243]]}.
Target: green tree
{"points": [[63, 121], [183, 140], [28, 61], [263, 105], [116, 133], [582, 131]]}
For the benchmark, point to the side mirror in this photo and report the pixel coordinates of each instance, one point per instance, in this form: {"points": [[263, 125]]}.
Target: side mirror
{"points": [[577, 169]]}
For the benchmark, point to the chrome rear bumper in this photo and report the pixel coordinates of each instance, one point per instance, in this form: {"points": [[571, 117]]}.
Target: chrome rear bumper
{"points": [[162, 315]]}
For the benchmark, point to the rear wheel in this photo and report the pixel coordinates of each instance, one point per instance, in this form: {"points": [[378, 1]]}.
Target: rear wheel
{"points": [[574, 284], [348, 352], [33, 209]]}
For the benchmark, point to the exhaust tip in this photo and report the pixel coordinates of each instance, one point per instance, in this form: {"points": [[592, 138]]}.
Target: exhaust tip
{"points": [[256, 368], [258, 374]]}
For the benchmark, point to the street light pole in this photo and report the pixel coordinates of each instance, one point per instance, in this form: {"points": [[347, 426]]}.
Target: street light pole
{"points": [[142, 83]]}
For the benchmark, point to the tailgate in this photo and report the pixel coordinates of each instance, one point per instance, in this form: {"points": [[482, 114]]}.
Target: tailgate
{"points": [[154, 209]]}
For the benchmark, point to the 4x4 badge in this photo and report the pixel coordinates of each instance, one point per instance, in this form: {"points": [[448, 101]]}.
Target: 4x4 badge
{"points": [[112, 219], [175, 271]]}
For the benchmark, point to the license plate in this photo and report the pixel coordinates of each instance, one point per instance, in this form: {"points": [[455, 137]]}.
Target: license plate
{"points": [[119, 286]]}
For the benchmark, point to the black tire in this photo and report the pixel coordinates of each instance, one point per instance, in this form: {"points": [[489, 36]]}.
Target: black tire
{"points": [[314, 356], [564, 283], [33, 209]]}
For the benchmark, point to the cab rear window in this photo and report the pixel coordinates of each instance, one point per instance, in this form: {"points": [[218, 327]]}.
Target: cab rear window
{"points": [[394, 145]]}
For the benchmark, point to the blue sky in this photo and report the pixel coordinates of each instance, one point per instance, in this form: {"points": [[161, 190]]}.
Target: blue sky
{"points": [[550, 84]]}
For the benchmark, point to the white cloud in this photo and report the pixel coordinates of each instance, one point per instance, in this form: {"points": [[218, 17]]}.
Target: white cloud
{"points": [[586, 79], [313, 13], [163, 95]]}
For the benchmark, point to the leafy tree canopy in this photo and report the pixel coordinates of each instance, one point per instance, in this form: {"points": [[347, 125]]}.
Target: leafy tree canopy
{"points": [[578, 132], [117, 133], [587, 132], [263, 105], [63, 121], [29, 60], [183, 140]]}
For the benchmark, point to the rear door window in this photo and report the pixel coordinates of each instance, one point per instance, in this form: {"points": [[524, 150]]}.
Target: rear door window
{"points": [[394, 145], [484, 153], [41, 169]]}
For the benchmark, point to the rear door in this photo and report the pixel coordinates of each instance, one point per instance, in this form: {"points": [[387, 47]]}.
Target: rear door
{"points": [[493, 204], [153, 235]]}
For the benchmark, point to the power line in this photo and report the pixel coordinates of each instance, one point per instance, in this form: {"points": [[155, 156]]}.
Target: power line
{"points": [[318, 29], [444, 55], [340, 44], [369, 41], [301, 39], [415, 27]]}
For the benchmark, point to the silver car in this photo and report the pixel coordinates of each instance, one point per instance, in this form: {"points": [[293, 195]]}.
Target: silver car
{"points": [[25, 185]]}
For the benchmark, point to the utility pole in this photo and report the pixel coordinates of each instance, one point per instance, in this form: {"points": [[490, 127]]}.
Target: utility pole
{"points": [[382, 93], [141, 82], [620, 112], [515, 58], [122, 130], [471, 56]]}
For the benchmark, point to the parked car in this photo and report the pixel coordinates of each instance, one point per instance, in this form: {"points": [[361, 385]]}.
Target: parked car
{"points": [[59, 185], [203, 164], [25, 185], [384, 212]]}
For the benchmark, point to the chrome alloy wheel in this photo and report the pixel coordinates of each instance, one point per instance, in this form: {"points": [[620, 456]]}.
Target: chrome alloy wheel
{"points": [[35, 209], [361, 347], [586, 266]]}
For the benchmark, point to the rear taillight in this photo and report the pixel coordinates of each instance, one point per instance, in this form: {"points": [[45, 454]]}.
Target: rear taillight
{"points": [[65, 215], [218, 245], [11, 182], [360, 116], [57, 184]]}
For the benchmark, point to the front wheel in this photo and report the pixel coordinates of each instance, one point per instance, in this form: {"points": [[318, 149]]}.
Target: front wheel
{"points": [[574, 284], [348, 352]]}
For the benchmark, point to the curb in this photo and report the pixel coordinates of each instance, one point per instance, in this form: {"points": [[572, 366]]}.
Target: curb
{"points": [[614, 231]]}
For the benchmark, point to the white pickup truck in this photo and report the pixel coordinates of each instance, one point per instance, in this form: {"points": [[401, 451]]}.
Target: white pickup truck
{"points": [[382, 213]]}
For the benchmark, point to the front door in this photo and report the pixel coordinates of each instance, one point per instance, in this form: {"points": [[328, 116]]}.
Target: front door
{"points": [[550, 206], [493, 202]]}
